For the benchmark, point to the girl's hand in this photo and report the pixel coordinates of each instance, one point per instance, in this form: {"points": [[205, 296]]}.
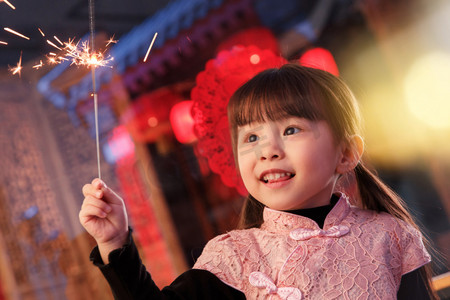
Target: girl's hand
{"points": [[104, 216]]}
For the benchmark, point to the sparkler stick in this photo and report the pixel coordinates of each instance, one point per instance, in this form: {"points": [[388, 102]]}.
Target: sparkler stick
{"points": [[16, 33], [150, 47], [93, 66]]}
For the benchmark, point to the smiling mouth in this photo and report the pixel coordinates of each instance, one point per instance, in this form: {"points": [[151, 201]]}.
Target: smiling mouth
{"points": [[275, 177]]}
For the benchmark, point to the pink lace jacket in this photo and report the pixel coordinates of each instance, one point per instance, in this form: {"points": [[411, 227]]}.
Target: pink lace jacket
{"points": [[359, 254]]}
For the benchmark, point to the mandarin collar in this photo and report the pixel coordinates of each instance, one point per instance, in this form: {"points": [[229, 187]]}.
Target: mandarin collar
{"points": [[280, 221]]}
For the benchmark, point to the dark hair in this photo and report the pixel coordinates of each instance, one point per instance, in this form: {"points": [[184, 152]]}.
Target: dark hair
{"points": [[294, 90]]}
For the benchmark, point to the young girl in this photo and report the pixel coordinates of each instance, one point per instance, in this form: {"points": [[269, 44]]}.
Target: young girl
{"points": [[295, 133]]}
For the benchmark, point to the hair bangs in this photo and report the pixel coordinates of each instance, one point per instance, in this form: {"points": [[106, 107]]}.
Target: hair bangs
{"points": [[274, 95]]}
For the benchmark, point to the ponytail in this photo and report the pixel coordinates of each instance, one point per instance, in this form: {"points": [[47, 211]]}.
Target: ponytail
{"points": [[377, 196], [251, 213]]}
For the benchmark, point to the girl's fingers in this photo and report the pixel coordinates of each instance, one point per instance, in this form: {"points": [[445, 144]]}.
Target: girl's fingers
{"points": [[89, 189], [111, 196], [89, 211], [98, 183], [89, 200], [94, 189]]}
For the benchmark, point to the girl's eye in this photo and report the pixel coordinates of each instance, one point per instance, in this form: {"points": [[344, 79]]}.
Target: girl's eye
{"points": [[291, 130], [252, 138]]}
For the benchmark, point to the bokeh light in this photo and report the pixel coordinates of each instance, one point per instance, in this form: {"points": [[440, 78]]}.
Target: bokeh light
{"points": [[427, 89]]}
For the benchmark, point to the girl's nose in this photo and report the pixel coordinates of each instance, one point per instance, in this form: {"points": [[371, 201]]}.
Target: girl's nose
{"points": [[272, 149]]}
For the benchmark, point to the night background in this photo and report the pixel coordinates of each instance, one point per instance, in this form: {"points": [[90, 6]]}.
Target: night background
{"points": [[395, 56]]}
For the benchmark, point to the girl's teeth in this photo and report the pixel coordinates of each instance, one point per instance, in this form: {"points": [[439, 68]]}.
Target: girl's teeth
{"points": [[276, 176]]}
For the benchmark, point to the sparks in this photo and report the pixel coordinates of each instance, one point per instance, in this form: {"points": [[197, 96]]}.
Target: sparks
{"points": [[150, 47], [79, 54], [56, 38], [18, 68], [10, 5], [38, 65], [53, 44], [52, 60], [111, 41], [76, 53], [16, 33]]}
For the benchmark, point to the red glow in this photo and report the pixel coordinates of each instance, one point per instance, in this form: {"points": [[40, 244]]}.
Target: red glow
{"points": [[319, 58], [260, 37], [182, 122], [147, 119]]}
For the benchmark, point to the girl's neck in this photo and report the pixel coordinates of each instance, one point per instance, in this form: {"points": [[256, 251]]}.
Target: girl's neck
{"points": [[317, 214]]}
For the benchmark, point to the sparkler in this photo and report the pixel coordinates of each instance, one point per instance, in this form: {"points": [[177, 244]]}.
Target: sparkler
{"points": [[94, 90], [10, 5], [80, 54]]}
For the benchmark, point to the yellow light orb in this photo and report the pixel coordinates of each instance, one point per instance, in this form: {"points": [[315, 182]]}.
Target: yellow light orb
{"points": [[427, 89]]}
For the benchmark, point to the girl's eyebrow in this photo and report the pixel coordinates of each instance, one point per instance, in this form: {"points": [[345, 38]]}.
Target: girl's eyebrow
{"points": [[250, 129], [297, 118]]}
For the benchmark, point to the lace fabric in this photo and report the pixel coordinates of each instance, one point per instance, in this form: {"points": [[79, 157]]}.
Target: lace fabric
{"points": [[359, 254]]}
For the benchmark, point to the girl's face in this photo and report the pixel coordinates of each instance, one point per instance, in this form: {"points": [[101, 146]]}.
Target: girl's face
{"points": [[289, 164]]}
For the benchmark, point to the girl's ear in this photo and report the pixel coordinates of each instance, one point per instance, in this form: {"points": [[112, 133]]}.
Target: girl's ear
{"points": [[351, 154]]}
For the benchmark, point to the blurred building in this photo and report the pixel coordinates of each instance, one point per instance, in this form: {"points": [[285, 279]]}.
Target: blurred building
{"points": [[175, 198]]}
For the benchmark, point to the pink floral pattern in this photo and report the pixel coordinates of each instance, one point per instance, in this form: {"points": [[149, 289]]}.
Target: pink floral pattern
{"points": [[359, 254]]}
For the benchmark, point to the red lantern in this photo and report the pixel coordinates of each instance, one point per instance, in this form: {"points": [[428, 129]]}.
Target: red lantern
{"points": [[182, 122], [221, 77], [319, 58], [147, 118]]}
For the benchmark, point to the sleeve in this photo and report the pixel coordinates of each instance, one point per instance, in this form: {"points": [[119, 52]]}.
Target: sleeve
{"points": [[125, 273], [201, 284], [129, 279], [412, 286], [414, 253], [222, 258]]}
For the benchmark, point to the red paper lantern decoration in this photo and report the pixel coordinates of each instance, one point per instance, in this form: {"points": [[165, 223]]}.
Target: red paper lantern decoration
{"points": [[319, 58], [182, 122], [147, 118], [214, 86]]}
